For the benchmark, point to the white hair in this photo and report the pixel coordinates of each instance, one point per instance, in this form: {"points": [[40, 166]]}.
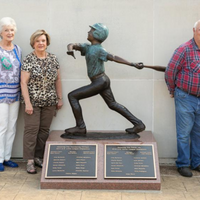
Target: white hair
{"points": [[7, 21], [195, 24]]}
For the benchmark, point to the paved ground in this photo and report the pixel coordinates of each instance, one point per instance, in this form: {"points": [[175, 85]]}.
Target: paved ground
{"points": [[16, 184]]}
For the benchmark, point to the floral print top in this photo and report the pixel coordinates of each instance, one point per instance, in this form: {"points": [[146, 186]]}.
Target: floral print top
{"points": [[43, 76], [10, 63]]}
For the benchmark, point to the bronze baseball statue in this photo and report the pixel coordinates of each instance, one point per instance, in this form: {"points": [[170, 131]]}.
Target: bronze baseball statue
{"points": [[95, 56]]}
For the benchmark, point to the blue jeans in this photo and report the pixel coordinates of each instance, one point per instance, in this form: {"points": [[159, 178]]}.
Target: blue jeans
{"points": [[188, 129]]}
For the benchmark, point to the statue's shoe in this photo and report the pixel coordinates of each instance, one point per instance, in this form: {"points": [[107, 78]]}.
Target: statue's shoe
{"points": [[75, 131], [136, 129]]}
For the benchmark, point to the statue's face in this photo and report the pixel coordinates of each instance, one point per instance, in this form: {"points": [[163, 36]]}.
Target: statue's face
{"points": [[90, 35]]}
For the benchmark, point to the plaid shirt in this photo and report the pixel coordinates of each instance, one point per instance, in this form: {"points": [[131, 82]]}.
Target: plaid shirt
{"points": [[183, 70]]}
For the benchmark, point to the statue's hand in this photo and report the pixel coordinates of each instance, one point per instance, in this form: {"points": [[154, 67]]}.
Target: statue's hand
{"points": [[71, 53], [138, 65]]}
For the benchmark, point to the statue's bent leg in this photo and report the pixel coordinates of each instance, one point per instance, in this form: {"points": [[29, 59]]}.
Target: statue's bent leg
{"points": [[108, 97], [84, 92]]}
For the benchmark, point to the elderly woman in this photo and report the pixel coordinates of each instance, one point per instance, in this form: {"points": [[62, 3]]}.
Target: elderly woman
{"points": [[41, 96], [10, 63]]}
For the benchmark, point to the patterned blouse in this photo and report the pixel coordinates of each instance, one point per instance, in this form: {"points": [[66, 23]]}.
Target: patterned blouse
{"points": [[10, 63], [43, 75]]}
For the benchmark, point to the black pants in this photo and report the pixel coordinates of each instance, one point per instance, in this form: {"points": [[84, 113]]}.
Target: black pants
{"points": [[100, 84]]}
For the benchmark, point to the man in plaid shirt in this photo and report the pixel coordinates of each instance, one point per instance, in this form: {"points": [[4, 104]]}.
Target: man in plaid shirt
{"points": [[183, 81]]}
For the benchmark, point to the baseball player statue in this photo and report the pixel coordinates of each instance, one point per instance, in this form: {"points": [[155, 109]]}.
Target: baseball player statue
{"points": [[95, 56]]}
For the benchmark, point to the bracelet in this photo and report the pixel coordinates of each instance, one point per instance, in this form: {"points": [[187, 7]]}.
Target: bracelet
{"points": [[60, 98]]}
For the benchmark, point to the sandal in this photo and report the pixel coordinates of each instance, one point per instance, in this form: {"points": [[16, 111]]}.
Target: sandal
{"points": [[30, 168], [38, 162]]}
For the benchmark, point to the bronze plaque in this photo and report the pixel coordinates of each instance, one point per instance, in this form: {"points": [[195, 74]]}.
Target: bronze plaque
{"points": [[71, 161], [129, 161]]}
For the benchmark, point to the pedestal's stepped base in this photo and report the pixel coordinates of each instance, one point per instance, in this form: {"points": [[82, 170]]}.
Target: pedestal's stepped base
{"points": [[100, 182]]}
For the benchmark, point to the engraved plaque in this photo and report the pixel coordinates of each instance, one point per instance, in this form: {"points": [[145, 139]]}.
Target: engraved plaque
{"points": [[129, 161], [71, 161]]}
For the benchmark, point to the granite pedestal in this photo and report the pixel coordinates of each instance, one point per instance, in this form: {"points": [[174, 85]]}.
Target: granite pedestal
{"points": [[100, 182]]}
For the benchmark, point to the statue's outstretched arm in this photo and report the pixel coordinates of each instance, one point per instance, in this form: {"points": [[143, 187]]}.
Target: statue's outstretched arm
{"points": [[120, 60]]}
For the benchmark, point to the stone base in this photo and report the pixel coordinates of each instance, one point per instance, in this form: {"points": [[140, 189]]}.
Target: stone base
{"points": [[100, 182]]}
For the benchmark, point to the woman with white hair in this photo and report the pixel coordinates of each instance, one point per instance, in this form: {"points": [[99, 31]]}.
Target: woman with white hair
{"points": [[10, 64]]}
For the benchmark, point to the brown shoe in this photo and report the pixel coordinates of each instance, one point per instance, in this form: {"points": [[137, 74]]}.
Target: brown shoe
{"points": [[30, 168], [38, 162], [185, 171]]}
